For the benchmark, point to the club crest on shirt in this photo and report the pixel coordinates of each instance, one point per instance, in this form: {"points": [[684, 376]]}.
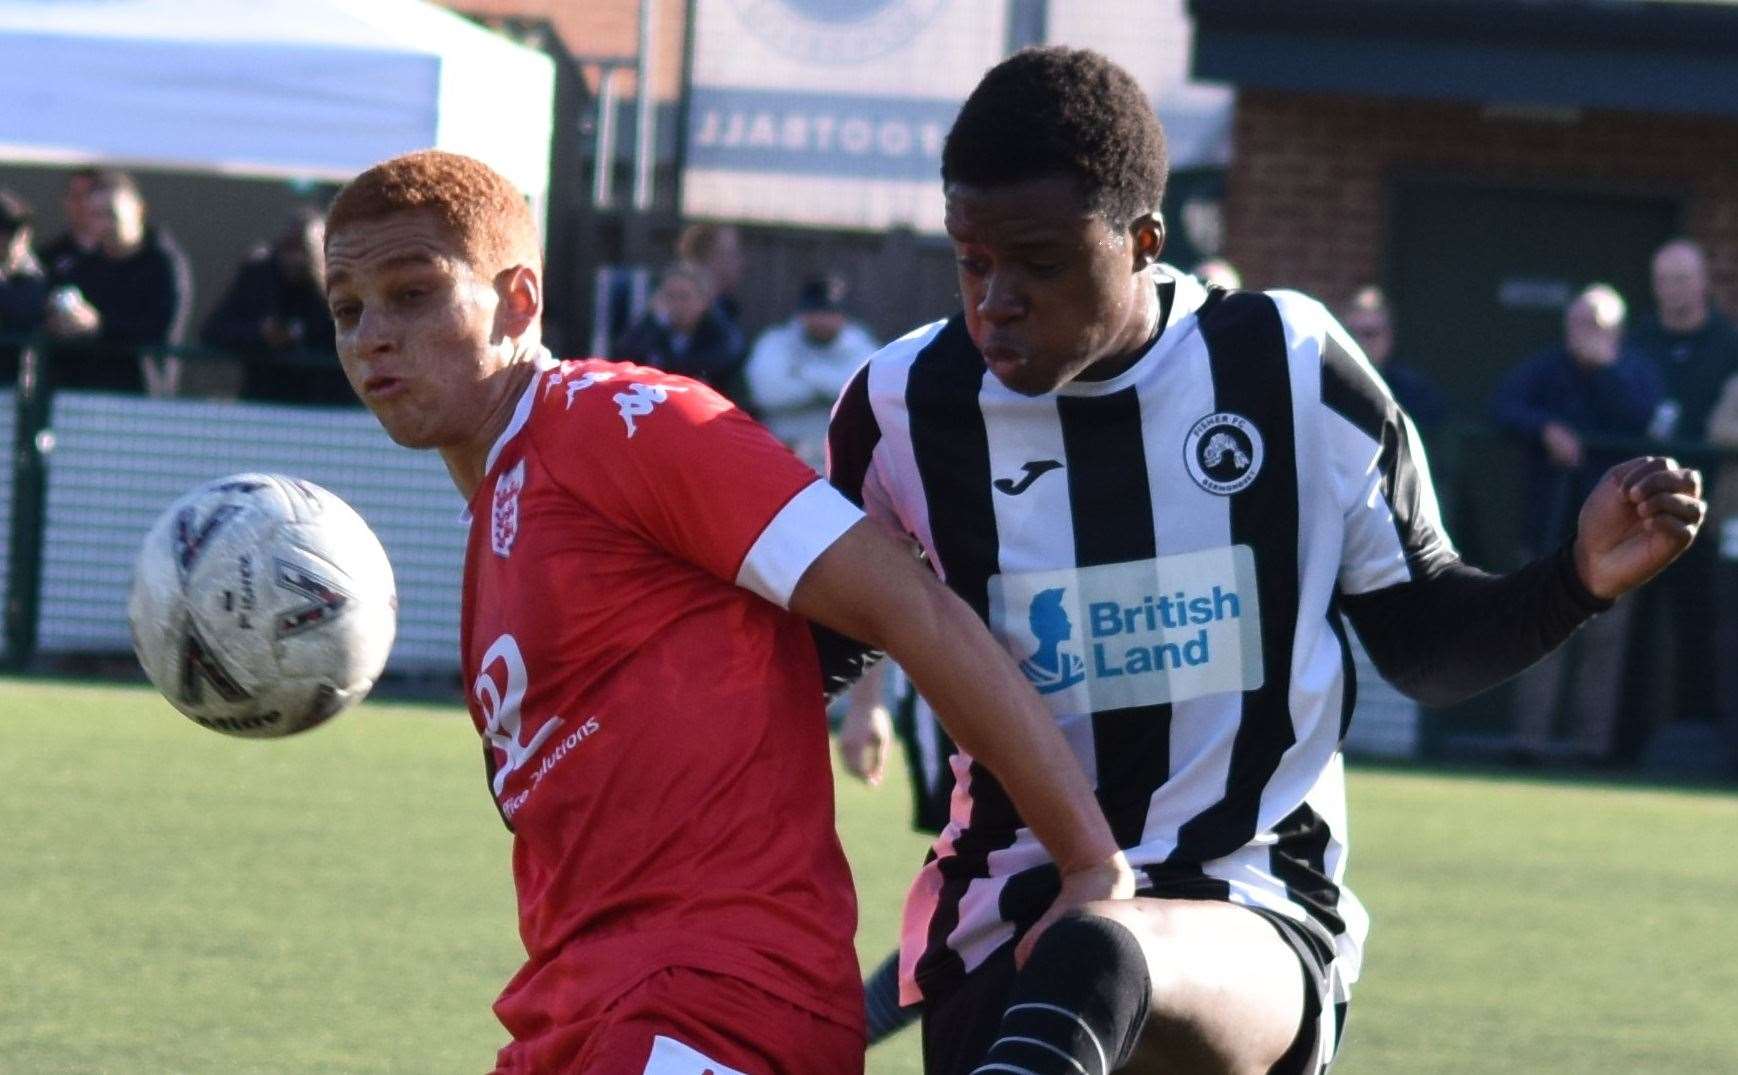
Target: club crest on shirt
{"points": [[1223, 453], [504, 517]]}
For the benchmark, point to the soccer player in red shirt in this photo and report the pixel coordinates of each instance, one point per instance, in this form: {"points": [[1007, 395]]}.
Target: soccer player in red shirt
{"points": [[643, 561]]}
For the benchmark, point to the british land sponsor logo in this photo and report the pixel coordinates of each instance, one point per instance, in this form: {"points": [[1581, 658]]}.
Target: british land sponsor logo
{"points": [[1223, 453], [836, 31], [1133, 634], [504, 516]]}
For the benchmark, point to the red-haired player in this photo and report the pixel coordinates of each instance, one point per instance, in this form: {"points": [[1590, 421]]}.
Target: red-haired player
{"points": [[642, 567]]}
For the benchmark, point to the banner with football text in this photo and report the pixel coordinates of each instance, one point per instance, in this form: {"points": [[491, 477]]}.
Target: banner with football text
{"points": [[830, 113]]}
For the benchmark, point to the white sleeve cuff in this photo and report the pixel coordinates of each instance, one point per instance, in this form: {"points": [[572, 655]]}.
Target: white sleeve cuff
{"points": [[795, 538]]}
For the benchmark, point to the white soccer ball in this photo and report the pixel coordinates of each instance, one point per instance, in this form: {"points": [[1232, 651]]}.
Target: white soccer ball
{"points": [[262, 605]]}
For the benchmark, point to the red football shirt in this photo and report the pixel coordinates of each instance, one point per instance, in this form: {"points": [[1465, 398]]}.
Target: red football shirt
{"points": [[652, 718]]}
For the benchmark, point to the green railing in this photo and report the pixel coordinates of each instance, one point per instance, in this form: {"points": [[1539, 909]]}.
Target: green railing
{"points": [[1480, 477]]}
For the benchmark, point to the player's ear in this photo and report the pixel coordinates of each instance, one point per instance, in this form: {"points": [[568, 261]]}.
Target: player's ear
{"points": [[521, 293], [1147, 237]]}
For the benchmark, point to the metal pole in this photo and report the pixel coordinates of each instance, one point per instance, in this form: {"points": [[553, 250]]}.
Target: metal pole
{"points": [[684, 94], [603, 179], [645, 151], [1028, 23], [31, 443]]}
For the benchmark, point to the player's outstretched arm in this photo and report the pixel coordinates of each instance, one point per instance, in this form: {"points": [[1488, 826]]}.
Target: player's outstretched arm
{"points": [[1459, 631], [869, 587]]}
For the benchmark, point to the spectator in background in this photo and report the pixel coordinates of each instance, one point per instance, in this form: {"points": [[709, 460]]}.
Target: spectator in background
{"points": [[129, 295], [23, 286], [681, 332], [1723, 518], [1696, 351], [274, 317], [1692, 345], [1370, 323], [84, 229], [798, 368], [1587, 387], [717, 248]]}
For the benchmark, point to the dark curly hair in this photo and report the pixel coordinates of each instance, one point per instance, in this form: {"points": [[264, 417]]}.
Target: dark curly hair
{"points": [[1056, 111]]}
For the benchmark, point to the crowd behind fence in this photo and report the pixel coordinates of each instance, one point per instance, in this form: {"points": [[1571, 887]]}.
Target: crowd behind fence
{"points": [[87, 472], [111, 415]]}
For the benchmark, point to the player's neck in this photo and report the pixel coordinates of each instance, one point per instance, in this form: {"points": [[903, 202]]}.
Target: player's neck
{"points": [[1144, 327], [467, 462]]}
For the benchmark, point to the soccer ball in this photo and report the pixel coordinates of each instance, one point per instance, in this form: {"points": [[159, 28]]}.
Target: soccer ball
{"points": [[262, 605]]}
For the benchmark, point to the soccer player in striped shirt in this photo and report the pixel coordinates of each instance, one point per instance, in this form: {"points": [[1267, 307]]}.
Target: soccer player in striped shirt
{"points": [[1164, 500]]}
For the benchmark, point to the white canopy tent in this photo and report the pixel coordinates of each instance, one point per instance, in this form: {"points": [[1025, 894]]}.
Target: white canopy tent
{"points": [[309, 88]]}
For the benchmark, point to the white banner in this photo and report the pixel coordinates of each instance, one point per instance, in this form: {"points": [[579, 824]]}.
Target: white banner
{"points": [[830, 112]]}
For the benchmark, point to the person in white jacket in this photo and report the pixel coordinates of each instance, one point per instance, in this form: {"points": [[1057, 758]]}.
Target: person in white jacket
{"points": [[798, 368]]}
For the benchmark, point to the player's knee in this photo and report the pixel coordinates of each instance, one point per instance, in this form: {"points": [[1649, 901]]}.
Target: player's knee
{"points": [[1108, 947], [1093, 965]]}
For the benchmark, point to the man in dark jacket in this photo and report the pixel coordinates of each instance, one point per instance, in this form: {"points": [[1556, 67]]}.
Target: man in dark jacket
{"points": [[23, 287], [1587, 387], [1692, 345], [274, 317], [1696, 350], [113, 307], [683, 333], [1368, 319], [84, 231]]}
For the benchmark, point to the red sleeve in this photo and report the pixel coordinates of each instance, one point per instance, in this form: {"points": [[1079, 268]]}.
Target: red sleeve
{"points": [[674, 462]]}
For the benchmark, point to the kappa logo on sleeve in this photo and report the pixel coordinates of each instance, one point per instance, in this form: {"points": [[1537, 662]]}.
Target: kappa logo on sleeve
{"points": [[584, 382], [638, 400], [635, 400]]}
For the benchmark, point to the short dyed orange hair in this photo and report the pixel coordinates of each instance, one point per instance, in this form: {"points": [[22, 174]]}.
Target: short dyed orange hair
{"points": [[473, 203]]}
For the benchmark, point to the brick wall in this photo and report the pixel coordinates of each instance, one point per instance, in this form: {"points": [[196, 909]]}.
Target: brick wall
{"points": [[1306, 194], [596, 29]]}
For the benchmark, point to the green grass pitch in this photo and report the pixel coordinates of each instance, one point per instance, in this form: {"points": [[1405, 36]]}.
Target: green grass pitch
{"points": [[175, 901]]}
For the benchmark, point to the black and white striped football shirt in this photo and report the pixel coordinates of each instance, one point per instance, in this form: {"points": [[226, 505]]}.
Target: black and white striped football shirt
{"points": [[1164, 553]]}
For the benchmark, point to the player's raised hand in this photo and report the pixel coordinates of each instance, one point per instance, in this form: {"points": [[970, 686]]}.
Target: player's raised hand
{"points": [[1109, 880], [1640, 517]]}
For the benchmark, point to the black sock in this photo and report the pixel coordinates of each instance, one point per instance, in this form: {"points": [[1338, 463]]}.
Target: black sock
{"points": [[1077, 1005], [881, 1000]]}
